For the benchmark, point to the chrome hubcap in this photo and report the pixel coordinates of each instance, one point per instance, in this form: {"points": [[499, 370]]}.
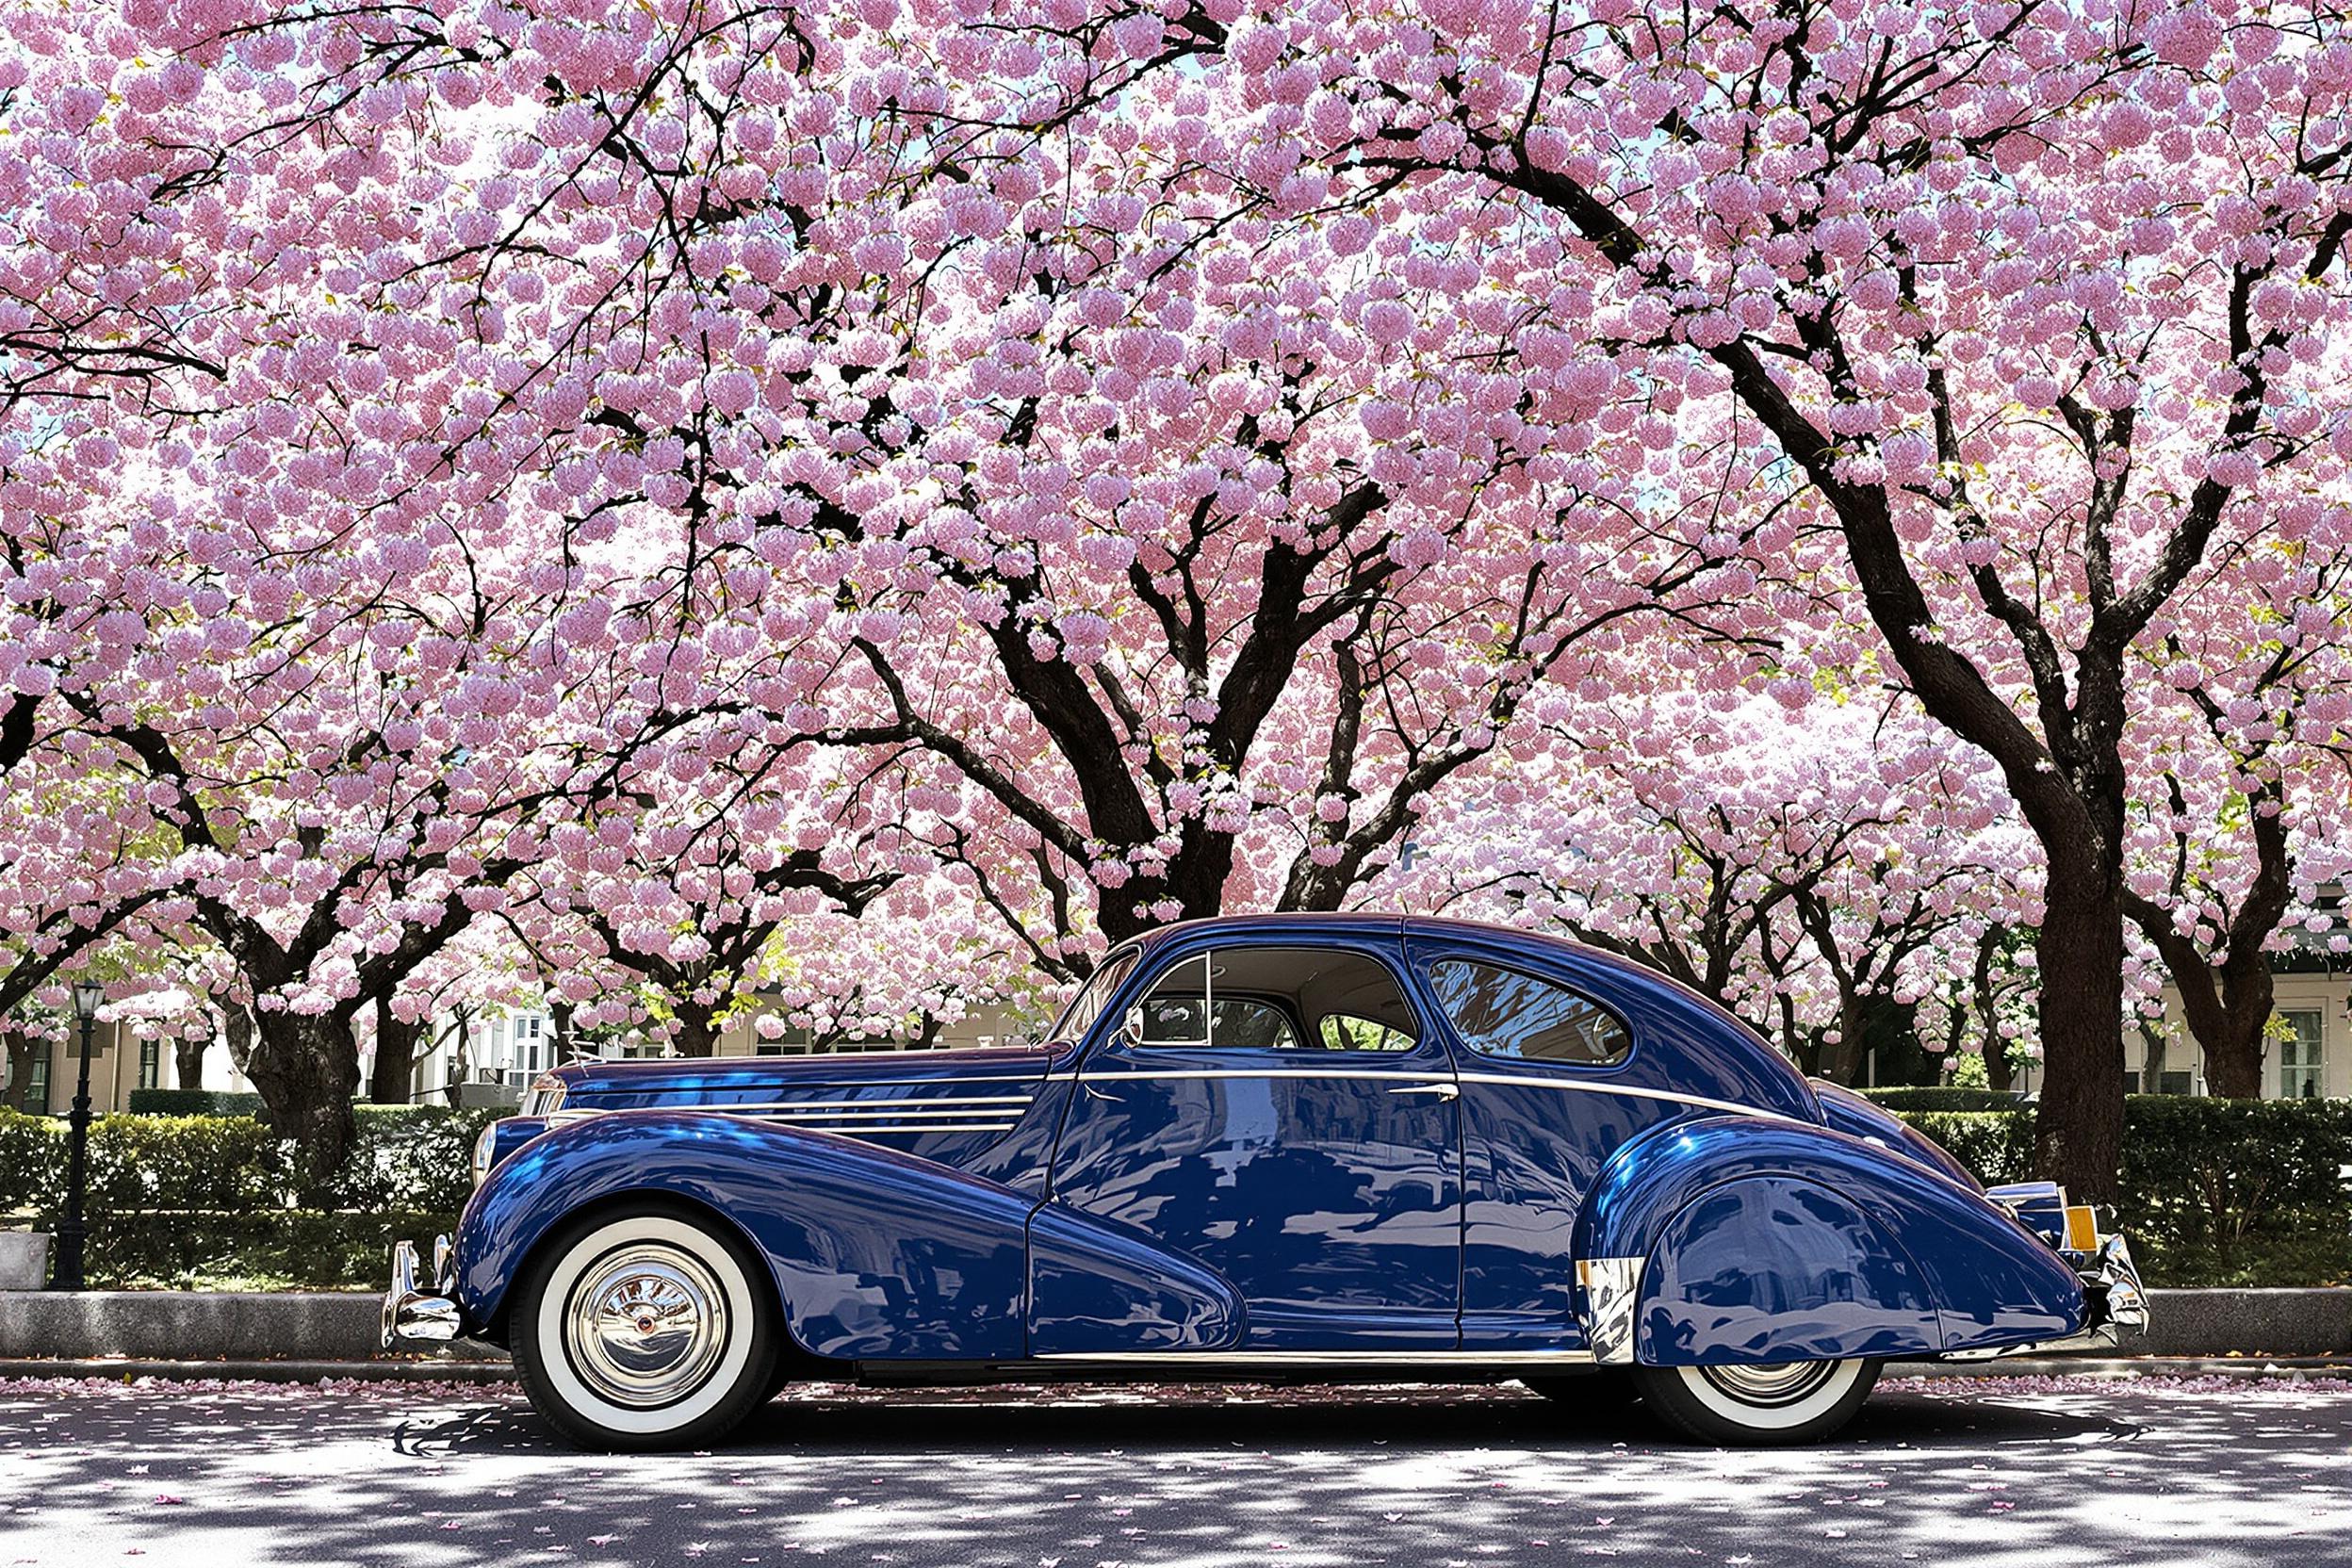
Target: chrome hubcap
{"points": [[1781, 1384], [647, 1325]]}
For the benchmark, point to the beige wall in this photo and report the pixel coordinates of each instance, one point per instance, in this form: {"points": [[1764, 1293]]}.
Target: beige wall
{"points": [[2325, 994], [114, 1068]]}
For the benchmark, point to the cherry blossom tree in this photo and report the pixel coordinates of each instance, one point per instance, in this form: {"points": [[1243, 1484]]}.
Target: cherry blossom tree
{"points": [[1175, 448]]}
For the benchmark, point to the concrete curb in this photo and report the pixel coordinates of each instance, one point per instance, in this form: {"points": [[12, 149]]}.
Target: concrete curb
{"points": [[490, 1373], [342, 1326], [475, 1372], [173, 1324]]}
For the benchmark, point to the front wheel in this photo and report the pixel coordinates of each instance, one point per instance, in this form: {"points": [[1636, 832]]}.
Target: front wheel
{"points": [[646, 1327], [1797, 1401]]}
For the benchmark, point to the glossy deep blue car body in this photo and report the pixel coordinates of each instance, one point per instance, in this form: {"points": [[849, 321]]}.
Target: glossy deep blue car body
{"points": [[1304, 1142]]}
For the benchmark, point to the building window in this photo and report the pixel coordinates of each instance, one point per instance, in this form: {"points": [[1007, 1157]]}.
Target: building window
{"points": [[2174, 1082], [2299, 1056], [36, 1081], [794, 1041], [149, 1064]]}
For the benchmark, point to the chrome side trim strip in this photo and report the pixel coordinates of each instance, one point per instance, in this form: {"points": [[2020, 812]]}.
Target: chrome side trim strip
{"points": [[1265, 1072], [853, 1104], [860, 1129], [793, 1113], [1329, 1358], [1578, 1087], [1510, 1079]]}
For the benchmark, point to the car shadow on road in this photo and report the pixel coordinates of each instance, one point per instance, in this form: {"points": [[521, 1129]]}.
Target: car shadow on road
{"points": [[905, 1423]]}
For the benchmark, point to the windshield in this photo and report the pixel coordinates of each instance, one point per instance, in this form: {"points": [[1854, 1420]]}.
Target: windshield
{"points": [[1087, 1005]]}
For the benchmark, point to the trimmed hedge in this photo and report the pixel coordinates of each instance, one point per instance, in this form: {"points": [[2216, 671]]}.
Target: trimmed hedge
{"points": [[194, 1103], [177, 1198], [2215, 1192], [1932, 1099], [303, 1246]]}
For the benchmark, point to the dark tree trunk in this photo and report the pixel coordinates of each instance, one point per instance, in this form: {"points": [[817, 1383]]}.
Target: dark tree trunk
{"points": [[2227, 1002], [695, 1035], [2078, 1125], [22, 1050], [237, 1029], [1890, 1036], [307, 1068], [396, 1056], [187, 1061], [2226, 1011], [561, 1013], [1996, 1048], [2153, 1063]]}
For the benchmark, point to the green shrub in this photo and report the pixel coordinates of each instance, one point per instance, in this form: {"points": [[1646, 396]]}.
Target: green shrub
{"points": [[410, 1156], [32, 1161], [138, 1163], [2215, 1192], [264, 1249], [194, 1103], [1995, 1146], [1931, 1099]]}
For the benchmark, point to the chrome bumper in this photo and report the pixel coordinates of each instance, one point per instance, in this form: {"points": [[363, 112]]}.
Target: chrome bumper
{"points": [[415, 1315], [2111, 1283]]}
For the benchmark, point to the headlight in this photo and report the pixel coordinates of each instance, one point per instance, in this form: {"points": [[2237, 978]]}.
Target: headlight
{"points": [[483, 1146], [546, 1094]]}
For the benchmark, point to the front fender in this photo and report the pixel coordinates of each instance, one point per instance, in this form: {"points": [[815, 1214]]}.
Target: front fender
{"points": [[875, 1253], [1759, 1238]]}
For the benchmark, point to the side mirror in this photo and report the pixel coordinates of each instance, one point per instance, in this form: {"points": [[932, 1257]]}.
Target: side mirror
{"points": [[1130, 1027]]}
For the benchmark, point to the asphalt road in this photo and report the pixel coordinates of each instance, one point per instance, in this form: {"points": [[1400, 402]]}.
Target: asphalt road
{"points": [[2034, 1473]]}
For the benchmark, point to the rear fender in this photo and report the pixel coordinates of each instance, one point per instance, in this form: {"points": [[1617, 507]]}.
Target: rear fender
{"points": [[875, 1253], [1748, 1239]]}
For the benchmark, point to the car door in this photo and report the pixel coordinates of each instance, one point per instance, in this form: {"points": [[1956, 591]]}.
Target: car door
{"points": [[1279, 1113]]}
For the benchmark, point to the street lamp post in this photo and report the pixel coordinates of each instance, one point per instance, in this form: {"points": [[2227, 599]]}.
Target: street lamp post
{"points": [[68, 1273]]}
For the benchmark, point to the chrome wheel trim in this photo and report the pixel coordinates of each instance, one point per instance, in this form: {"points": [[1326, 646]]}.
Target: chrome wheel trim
{"points": [[646, 1325], [1767, 1386]]}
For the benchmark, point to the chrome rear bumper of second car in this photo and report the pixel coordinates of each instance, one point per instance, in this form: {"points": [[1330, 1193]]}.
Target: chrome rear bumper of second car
{"points": [[2118, 1303], [413, 1314]]}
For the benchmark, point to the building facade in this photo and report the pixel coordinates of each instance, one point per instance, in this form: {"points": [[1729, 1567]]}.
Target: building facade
{"points": [[2306, 1053], [119, 1062]]}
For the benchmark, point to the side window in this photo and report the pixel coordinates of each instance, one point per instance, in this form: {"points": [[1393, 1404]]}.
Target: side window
{"points": [[1500, 1012], [1087, 1005], [1347, 1032], [1279, 999]]}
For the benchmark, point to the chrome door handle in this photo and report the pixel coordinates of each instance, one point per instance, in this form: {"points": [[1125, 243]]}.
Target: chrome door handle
{"points": [[1443, 1091]]}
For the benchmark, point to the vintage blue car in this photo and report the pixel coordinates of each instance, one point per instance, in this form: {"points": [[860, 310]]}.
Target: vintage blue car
{"points": [[1344, 1147]]}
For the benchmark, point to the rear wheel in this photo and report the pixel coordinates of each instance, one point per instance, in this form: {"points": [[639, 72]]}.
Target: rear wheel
{"points": [[645, 1329], [1797, 1401]]}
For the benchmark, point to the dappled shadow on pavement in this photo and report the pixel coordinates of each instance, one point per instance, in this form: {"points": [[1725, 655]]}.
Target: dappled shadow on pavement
{"points": [[1997, 1473]]}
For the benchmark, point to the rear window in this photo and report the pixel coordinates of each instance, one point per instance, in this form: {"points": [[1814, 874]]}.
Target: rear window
{"points": [[1502, 1012]]}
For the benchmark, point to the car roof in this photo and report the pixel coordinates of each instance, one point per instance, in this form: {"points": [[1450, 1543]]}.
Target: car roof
{"points": [[1371, 922]]}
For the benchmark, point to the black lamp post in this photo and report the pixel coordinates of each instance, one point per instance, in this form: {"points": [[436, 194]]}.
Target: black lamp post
{"points": [[67, 1275]]}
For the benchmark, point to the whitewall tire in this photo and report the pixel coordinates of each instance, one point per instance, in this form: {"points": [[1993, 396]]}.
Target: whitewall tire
{"points": [[1787, 1402], [649, 1327]]}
